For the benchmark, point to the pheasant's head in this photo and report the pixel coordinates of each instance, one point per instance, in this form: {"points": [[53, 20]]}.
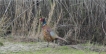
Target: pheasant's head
{"points": [[43, 21]]}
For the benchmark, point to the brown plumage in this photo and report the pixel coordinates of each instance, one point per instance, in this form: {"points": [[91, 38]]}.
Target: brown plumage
{"points": [[48, 33]]}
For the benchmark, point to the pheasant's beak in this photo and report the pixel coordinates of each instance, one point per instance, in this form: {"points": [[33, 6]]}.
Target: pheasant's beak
{"points": [[40, 19]]}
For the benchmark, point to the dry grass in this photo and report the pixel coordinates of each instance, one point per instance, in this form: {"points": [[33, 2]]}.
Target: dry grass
{"points": [[73, 19], [12, 47]]}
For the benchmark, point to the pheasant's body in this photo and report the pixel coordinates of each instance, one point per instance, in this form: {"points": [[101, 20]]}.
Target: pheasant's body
{"points": [[48, 33]]}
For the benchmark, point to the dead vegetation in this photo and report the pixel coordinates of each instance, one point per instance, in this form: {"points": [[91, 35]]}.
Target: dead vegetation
{"points": [[82, 20]]}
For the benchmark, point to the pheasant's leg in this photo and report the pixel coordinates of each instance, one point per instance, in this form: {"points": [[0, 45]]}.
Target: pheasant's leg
{"points": [[48, 44], [54, 43]]}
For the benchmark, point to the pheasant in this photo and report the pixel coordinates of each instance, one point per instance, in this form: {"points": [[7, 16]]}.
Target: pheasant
{"points": [[48, 34]]}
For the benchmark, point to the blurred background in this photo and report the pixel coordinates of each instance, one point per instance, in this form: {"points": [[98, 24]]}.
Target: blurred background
{"points": [[78, 21]]}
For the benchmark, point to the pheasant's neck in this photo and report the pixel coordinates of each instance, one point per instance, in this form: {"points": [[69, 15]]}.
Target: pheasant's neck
{"points": [[44, 23]]}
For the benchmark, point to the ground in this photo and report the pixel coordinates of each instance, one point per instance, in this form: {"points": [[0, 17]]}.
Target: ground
{"points": [[11, 47], [40, 48]]}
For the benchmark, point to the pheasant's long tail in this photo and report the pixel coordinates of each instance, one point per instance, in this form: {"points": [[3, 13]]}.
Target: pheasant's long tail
{"points": [[62, 39]]}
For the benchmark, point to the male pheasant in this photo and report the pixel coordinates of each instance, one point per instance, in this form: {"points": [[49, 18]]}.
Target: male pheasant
{"points": [[48, 33]]}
